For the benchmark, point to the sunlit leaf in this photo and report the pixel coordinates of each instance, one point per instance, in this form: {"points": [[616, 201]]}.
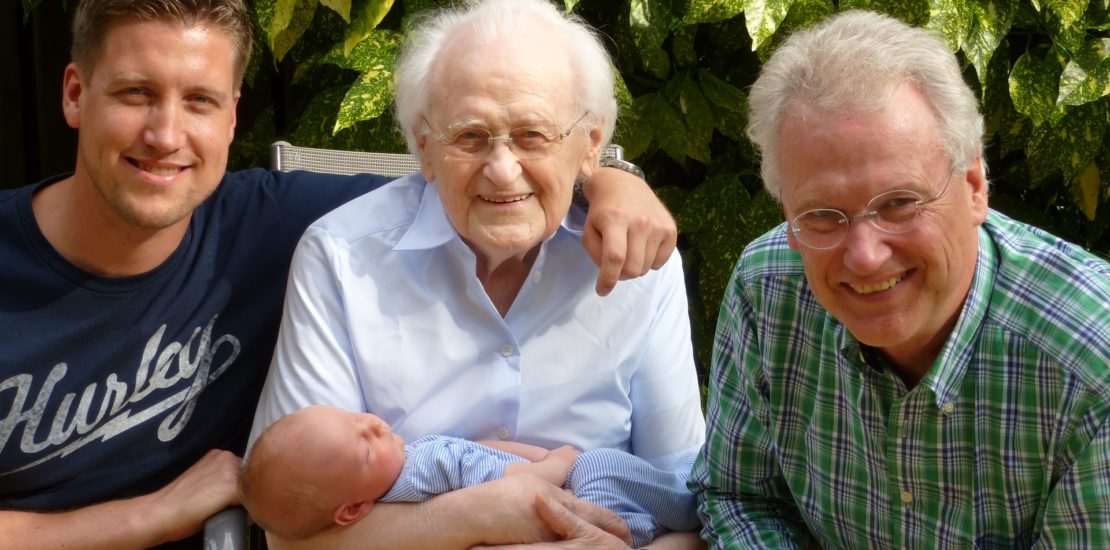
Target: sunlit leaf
{"points": [[372, 93], [1068, 146], [1087, 186], [570, 4], [989, 23], [913, 12], [377, 50], [636, 136], [1033, 84], [1069, 12], [342, 7], [763, 18], [952, 19], [1086, 76], [299, 21], [369, 14], [709, 11]]}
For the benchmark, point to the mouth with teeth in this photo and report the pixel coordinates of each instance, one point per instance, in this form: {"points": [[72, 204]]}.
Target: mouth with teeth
{"points": [[878, 287], [502, 200], [162, 171]]}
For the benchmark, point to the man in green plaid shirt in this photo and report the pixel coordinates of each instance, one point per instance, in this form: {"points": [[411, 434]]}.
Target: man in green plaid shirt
{"points": [[898, 366]]}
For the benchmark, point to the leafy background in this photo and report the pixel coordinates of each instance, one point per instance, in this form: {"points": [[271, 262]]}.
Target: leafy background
{"points": [[1041, 67]]}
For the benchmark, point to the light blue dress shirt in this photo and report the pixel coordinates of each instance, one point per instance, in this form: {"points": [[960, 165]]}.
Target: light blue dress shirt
{"points": [[385, 313]]}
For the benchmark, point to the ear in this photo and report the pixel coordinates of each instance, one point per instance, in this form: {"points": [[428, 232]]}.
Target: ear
{"points": [[234, 116], [426, 167], [346, 514], [977, 181], [593, 154], [72, 86]]}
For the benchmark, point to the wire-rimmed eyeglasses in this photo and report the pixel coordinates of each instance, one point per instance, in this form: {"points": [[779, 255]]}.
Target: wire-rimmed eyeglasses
{"points": [[472, 141], [891, 211]]}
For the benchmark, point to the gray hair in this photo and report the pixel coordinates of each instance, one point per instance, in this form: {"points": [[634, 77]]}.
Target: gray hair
{"points": [[855, 61], [593, 69]]}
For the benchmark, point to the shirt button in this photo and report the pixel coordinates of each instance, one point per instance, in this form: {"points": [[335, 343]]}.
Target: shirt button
{"points": [[907, 497], [948, 408], [502, 433], [506, 350], [536, 276]]}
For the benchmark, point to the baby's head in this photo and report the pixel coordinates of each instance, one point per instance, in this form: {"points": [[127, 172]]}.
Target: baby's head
{"points": [[317, 467]]}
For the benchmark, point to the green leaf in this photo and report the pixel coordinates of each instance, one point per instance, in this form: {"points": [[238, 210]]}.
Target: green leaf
{"points": [[913, 12], [342, 7], [650, 23], [370, 95], [721, 93], [699, 120], [952, 19], [636, 135], [28, 7], [670, 132], [763, 18], [369, 14], [1070, 145], [988, 25], [1033, 85], [1086, 76], [683, 49], [300, 18], [1068, 12], [710, 11], [569, 5], [1087, 186]]}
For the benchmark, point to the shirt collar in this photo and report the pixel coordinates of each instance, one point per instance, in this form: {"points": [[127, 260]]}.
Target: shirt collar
{"points": [[432, 228]]}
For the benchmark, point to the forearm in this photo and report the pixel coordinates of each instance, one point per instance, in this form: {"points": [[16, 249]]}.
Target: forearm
{"points": [[119, 524], [553, 472]]}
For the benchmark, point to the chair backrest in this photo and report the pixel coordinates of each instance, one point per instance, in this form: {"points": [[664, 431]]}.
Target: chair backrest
{"points": [[287, 157]]}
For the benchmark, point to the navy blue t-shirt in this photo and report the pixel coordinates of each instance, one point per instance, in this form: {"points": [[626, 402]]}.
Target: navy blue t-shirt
{"points": [[112, 387]]}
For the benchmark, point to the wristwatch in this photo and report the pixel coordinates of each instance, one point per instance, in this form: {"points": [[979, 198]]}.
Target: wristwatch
{"points": [[612, 156]]}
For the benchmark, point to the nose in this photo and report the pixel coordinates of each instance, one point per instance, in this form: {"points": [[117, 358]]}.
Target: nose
{"points": [[165, 127], [865, 247], [502, 165]]}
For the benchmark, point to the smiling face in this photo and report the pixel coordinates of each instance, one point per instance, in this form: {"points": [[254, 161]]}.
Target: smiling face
{"points": [[901, 293], [156, 117], [503, 206]]}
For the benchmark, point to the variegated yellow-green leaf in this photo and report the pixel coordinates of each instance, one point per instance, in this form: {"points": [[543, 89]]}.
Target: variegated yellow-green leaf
{"points": [[278, 14], [650, 24], [1033, 84], [1086, 76], [1087, 186], [913, 12], [299, 21], [763, 17], [988, 25], [1069, 145], [682, 47], [367, 98], [366, 20], [721, 93], [570, 4], [342, 7], [375, 51], [699, 120], [709, 11], [1067, 11], [952, 19], [637, 134]]}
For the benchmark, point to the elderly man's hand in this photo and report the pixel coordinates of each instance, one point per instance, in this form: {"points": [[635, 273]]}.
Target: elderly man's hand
{"points": [[576, 533], [628, 230]]}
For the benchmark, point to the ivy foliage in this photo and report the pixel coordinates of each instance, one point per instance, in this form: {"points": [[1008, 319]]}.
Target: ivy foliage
{"points": [[1041, 67]]}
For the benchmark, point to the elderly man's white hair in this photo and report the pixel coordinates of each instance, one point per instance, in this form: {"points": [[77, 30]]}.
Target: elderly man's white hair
{"points": [[855, 61], [593, 69]]}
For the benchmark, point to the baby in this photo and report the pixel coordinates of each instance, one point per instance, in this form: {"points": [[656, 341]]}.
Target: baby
{"points": [[323, 466]]}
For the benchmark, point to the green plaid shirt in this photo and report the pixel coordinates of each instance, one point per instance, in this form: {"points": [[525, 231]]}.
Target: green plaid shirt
{"points": [[1004, 443]]}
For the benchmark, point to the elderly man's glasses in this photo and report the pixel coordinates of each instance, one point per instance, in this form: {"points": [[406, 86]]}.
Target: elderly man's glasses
{"points": [[892, 212], [474, 141]]}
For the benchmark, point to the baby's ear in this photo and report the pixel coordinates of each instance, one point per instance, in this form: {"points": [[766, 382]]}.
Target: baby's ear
{"points": [[351, 512]]}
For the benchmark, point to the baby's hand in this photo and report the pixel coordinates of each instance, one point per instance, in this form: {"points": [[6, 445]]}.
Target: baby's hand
{"points": [[566, 454]]}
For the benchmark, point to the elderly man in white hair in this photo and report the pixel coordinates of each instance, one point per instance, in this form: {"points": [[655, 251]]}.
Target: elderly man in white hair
{"points": [[899, 366], [460, 301]]}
